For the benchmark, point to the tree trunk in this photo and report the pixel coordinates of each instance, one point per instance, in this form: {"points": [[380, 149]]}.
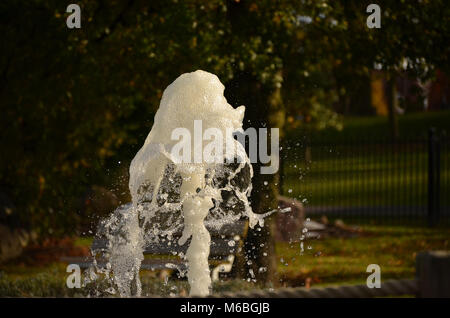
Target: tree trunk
{"points": [[392, 107], [260, 242], [264, 109]]}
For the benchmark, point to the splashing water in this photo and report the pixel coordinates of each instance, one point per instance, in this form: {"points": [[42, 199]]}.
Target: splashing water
{"points": [[169, 195]]}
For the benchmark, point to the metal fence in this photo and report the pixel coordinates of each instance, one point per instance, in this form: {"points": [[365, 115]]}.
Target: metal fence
{"points": [[371, 178]]}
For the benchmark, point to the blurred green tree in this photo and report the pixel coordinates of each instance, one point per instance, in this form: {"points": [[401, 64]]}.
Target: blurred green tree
{"points": [[413, 40]]}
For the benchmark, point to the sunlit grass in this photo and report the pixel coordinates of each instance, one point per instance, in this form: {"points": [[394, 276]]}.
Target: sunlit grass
{"points": [[344, 260], [360, 166], [329, 261]]}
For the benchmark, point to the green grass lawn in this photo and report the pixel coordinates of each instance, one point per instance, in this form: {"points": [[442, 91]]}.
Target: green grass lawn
{"points": [[329, 261], [365, 179], [411, 125], [344, 260], [360, 166]]}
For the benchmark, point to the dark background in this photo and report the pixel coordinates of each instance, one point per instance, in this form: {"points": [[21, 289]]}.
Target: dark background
{"points": [[355, 105]]}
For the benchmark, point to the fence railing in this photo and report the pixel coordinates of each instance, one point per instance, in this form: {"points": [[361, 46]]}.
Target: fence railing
{"points": [[367, 177]]}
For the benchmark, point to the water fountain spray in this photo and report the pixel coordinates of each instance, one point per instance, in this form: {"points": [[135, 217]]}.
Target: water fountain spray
{"points": [[179, 183]]}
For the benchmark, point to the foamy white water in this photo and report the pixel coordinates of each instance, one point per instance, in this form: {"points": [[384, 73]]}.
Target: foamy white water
{"points": [[169, 195]]}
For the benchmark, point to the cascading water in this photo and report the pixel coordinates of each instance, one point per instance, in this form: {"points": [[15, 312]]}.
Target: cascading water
{"points": [[170, 194]]}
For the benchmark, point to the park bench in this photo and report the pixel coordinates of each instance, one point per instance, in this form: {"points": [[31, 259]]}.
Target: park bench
{"points": [[160, 256]]}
